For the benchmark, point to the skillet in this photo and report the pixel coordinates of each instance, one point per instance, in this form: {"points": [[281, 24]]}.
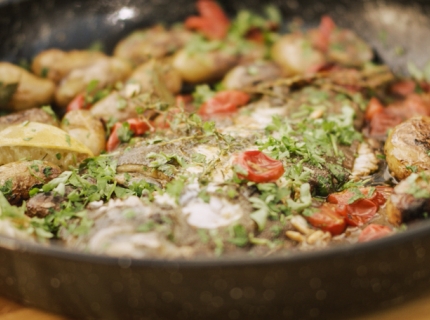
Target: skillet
{"points": [[336, 283]]}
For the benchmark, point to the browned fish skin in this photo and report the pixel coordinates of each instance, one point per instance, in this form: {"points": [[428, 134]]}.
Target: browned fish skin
{"points": [[34, 114], [22, 176]]}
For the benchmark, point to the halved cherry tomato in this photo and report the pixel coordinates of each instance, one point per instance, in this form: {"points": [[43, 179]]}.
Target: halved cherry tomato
{"points": [[78, 103], [137, 126], [373, 232], [212, 22], [358, 212], [344, 197], [325, 29], [375, 106], [224, 102], [259, 167], [328, 219], [362, 210]]}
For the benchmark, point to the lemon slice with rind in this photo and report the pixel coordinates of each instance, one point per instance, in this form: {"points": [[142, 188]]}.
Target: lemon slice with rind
{"points": [[38, 141]]}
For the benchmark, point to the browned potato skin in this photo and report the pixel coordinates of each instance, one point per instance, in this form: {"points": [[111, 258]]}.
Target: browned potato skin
{"points": [[32, 91], [106, 71], [295, 54], [408, 145], [55, 64], [85, 128], [199, 67], [144, 76], [24, 176], [34, 114], [144, 79], [346, 48], [404, 204], [156, 42], [250, 74]]}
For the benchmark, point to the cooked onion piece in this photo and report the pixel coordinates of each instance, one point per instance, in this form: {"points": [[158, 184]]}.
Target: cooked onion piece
{"points": [[42, 115], [37, 141], [85, 128], [365, 163], [17, 178], [410, 199], [407, 147], [295, 54], [105, 71], [156, 42], [22, 90], [55, 64]]}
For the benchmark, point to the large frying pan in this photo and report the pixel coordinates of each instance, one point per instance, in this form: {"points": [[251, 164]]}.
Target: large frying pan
{"points": [[335, 283]]}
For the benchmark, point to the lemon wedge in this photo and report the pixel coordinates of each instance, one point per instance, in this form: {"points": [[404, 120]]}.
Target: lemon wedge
{"points": [[38, 141]]}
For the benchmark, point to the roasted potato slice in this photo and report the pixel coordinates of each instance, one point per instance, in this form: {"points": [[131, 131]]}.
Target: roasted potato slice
{"points": [[296, 55], [42, 115], [105, 71], [17, 178], [37, 141], [151, 84], [156, 42], [55, 64], [22, 90], [203, 66], [250, 74], [85, 128], [407, 147]]}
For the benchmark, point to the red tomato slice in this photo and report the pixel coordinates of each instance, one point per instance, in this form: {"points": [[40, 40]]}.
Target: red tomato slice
{"points": [[375, 106], [77, 103], [359, 212], [259, 167], [373, 232], [137, 126], [113, 140], [328, 219], [343, 198], [322, 39], [224, 102], [212, 22]]}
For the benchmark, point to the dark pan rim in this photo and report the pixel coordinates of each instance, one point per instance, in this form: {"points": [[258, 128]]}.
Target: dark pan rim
{"points": [[346, 250]]}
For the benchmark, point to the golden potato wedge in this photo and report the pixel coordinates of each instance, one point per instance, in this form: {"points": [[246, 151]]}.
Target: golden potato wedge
{"points": [[105, 71], [150, 85], [203, 66], [156, 42], [55, 64], [250, 74], [85, 128], [144, 76], [17, 178], [22, 90], [295, 54]]}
